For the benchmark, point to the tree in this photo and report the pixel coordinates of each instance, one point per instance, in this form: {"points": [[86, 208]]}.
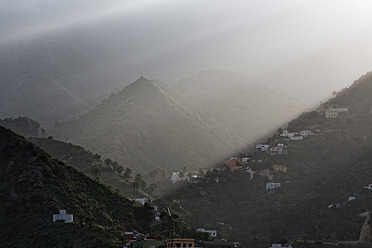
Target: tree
{"points": [[151, 188], [334, 93], [96, 173], [127, 175], [138, 182]]}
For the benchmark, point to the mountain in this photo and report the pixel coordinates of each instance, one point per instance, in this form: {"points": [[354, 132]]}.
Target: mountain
{"points": [[50, 79], [321, 194], [34, 186], [247, 109], [145, 127], [149, 125], [23, 126]]}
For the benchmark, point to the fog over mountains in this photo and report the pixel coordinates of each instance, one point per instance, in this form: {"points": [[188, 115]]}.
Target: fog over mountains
{"points": [[192, 124], [306, 49]]}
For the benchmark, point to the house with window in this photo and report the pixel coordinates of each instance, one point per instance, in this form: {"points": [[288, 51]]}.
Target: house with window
{"points": [[175, 178], [287, 134], [271, 185], [212, 233], [297, 137], [305, 132], [179, 243], [62, 216], [335, 112], [262, 147]]}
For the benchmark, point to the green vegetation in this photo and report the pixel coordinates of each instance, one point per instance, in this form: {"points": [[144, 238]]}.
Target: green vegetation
{"points": [[34, 186]]}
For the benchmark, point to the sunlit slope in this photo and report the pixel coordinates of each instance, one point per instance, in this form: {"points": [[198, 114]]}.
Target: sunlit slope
{"points": [[50, 79], [144, 127], [149, 125], [34, 186], [322, 169], [246, 109]]}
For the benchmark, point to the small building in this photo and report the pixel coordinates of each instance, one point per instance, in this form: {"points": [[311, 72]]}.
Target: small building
{"points": [[280, 168], [262, 147], [278, 150], [297, 137], [368, 187], [62, 216], [264, 173], [272, 185], [139, 200], [287, 134], [335, 112], [212, 233], [175, 177], [245, 160], [234, 163], [305, 132], [331, 113], [351, 198], [179, 243]]}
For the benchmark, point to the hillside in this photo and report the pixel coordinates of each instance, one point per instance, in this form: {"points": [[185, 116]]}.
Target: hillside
{"points": [[84, 161], [23, 126], [248, 110], [323, 170], [51, 79], [144, 127], [149, 125], [34, 186]]}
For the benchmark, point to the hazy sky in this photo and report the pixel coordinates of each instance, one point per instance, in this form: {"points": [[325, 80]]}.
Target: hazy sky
{"points": [[304, 48]]}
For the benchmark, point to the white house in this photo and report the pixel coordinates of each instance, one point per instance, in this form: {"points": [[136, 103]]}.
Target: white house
{"points": [[175, 177], [67, 218], [368, 187], [212, 233], [351, 198], [262, 147], [334, 112], [245, 160], [305, 132], [297, 137], [140, 200], [272, 185], [287, 134]]}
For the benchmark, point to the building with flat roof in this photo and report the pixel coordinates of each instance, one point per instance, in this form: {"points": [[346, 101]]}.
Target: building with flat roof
{"points": [[62, 216], [179, 243]]}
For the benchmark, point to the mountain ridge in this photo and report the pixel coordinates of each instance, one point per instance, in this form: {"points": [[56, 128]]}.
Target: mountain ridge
{"points": [[154, 123]]}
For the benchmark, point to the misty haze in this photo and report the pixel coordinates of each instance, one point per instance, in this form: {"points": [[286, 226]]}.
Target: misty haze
{"points": [[199, 124]]}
